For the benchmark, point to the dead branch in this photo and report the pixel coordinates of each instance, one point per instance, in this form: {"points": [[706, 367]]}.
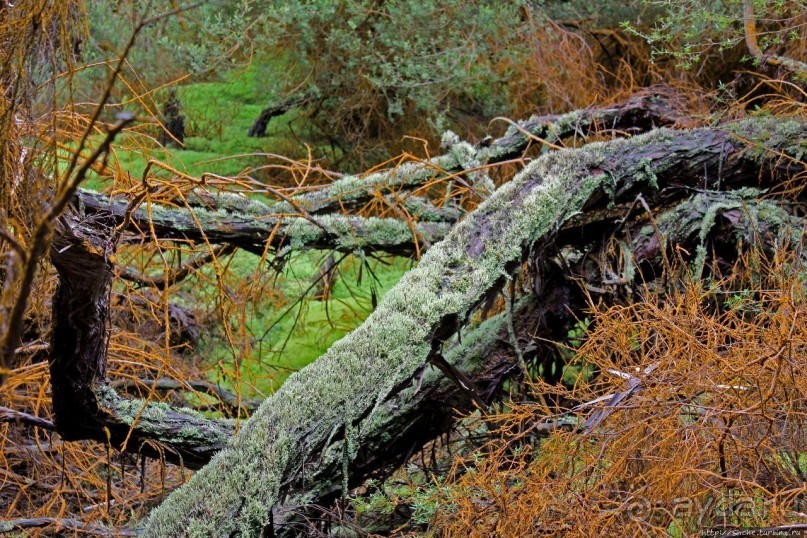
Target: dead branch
{"points": [[85, 406], [62, 523], [252, 231], [20, 417], [235, 405]]}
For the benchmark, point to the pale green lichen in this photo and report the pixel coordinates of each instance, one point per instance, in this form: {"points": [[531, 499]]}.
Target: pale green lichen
{"points": [[766, 133], [569, 122], [231, 202], [424, 210], [242, 484], [698, 217], [349, 233], [350, 188], [646, 173], [448, 139], [382, 353], [163, 422]]}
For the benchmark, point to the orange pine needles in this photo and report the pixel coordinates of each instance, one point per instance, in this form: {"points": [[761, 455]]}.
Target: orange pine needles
{"points": [[694, 420]]}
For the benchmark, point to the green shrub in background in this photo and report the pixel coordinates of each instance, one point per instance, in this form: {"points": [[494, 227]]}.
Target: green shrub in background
{"points": [[365, 67], [687, 30], [202, 42]]}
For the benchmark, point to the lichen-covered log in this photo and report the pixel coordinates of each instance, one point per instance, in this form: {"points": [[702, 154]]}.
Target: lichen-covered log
{"points": [[485, 354], [248, 223], [85, 406], [265, 467], [251, 230], [641, 113], [729, 218], [405, 422], [418, 207], [651, 109]]}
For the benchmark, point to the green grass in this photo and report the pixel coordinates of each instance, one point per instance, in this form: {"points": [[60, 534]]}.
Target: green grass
{"points": [[294, 342], [218, 116]]}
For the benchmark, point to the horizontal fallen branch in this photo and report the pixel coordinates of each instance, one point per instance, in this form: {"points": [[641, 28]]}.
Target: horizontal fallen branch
{"points": [[62, 524], [639, 114], [235, 405], [255, 232], [20, 417]]}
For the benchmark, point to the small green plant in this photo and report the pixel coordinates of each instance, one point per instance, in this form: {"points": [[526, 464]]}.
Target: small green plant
{"points": [[688, 30]]}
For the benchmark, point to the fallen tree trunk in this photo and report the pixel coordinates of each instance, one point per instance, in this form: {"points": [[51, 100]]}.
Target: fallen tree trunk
{"points": [[649, 110], [86, 406], [257, 232], [641, 113], [263, 475]]}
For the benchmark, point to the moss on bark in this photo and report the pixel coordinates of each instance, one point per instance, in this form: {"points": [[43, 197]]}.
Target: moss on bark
{"points": [[346, 387]]}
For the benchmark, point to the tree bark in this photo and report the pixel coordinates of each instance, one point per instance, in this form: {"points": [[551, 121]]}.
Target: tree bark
{"points": [[255, 232], [264, 474], [85, 406]]}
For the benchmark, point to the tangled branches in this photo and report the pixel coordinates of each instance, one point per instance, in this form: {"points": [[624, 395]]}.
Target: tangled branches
{"points": [[685, 411]]}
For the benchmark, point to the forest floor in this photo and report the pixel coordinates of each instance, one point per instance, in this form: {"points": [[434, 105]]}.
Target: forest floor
{"points": [[218, 116]]}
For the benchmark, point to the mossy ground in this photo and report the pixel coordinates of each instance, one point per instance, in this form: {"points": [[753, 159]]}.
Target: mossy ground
{"points": [[292, 343], [218, 116]]}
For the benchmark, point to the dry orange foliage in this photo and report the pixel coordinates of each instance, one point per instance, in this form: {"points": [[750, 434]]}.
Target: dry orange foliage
{"points": [[694, 419]]}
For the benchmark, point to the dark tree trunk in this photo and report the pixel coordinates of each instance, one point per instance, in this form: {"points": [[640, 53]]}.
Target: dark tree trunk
{"points": [[173, 123], [85, 406], [258, 128]]}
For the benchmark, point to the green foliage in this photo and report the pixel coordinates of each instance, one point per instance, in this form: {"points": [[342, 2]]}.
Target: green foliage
{"points": [[419, 495], [689, 29], [598, 14], [196, 42], [367, 64]]}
